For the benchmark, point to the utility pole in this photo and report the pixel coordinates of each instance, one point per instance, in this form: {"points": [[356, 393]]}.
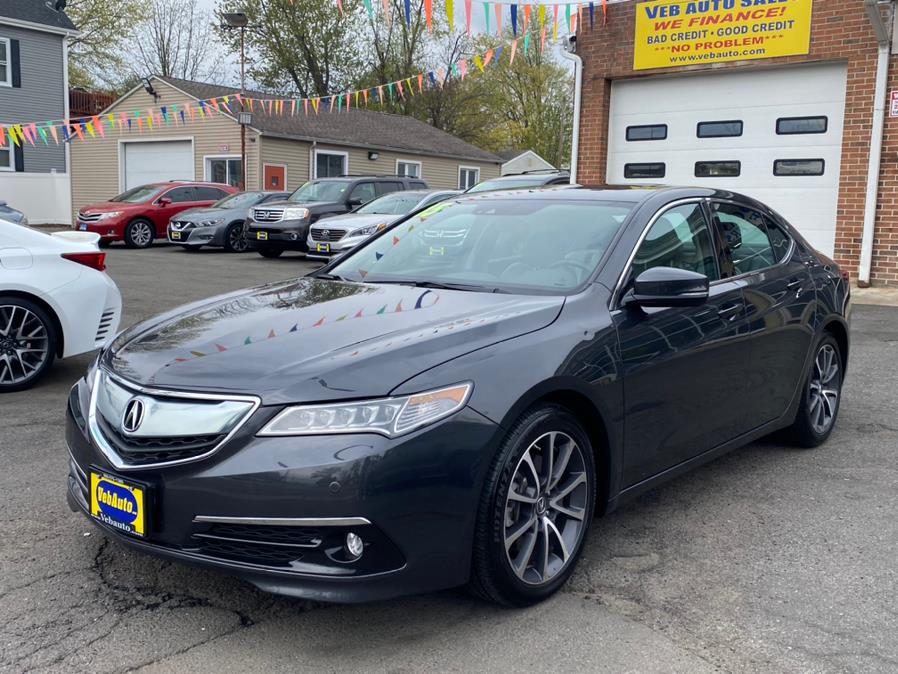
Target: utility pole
{"points": [[239, 21]]}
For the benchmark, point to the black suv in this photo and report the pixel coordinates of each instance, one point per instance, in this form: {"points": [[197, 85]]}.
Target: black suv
{"points": [[537, 178], [277, 226]]}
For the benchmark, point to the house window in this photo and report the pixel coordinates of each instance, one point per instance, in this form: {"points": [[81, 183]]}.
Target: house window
{"points": [[719, 129], [798, 167], [468, 176], [330, 164], [717, 169], [226, 170], [647, 132], [5, 66], [793, 125], [6, 160], [651, 170], [409, 169]]}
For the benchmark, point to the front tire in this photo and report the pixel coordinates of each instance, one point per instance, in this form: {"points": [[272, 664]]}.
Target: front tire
{"points": [[821, 396], [139, 233], [234, 241], [535, 510], [270, 252], [27, 343]]}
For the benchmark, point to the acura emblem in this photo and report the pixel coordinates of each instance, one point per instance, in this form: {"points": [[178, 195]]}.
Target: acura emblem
{"points": [[133, 416]]}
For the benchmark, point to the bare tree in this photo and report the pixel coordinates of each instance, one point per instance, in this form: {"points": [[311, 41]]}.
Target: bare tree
{"points": [[178, 39]]}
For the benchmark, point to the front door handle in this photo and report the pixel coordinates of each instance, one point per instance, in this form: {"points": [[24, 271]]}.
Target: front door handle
{"points": [[730, 311], [794, 284]]}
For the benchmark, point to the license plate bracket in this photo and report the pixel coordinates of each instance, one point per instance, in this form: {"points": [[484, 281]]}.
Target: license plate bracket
{"points": [[120, 503], [323, 248]]}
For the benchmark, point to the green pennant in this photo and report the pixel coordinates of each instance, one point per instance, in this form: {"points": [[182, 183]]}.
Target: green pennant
{"points": [[526, 43], [382, 309]]}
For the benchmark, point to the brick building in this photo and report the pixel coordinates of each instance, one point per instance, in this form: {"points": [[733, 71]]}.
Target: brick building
{"points": [[794, 131]]}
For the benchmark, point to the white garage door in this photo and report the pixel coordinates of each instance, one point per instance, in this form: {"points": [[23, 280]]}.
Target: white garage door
{"points": [[775, 135], [157, 161]]}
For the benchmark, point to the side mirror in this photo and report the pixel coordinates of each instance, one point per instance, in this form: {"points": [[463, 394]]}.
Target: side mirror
{"points": [[669, 287], [354, 203], [164, 201]]}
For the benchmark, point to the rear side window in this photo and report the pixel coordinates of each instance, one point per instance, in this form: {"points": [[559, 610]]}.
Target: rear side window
{"points": [[209, 194], [387, 186], [181, 194], [752, 241], [795, 125], [719, 129], [798, 167], [647, 132], [717, 169], [645, 170]]}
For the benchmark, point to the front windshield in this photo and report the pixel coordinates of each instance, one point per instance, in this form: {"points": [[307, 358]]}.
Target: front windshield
{"points": [[508, 183], [138, 195], [321, 190], [241, 200], [395, 203], [514, 245]]}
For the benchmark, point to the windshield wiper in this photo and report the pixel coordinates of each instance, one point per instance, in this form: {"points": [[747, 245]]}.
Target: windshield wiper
{"points": [[329, 277], [440, 285]]}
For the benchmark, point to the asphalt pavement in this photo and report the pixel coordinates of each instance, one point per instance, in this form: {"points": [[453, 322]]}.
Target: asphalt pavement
{"points": [[770, 559]]}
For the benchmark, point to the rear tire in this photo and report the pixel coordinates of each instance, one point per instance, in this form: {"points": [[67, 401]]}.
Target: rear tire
{"points": [[234, 241], [821, 396], [534, 512], [139, 233], [270, 252], [24, 360]]}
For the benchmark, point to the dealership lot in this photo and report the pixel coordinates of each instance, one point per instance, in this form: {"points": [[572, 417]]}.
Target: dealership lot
{"points": [[770, 559]]}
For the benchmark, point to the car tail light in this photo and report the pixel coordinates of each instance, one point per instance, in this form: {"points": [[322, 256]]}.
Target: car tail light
{"points": [[845, 275], [93, 260]]}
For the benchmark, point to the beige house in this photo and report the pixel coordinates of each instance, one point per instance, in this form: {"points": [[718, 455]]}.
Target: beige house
{"points": [[282, 151]]}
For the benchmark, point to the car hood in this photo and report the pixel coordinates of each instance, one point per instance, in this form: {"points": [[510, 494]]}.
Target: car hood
{"points": [[298, 204], [352, 221], [195, 214], [315, 340]]}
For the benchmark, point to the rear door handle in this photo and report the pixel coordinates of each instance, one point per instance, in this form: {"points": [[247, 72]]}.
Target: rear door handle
{"points": [[730, 310], [794, 284]]}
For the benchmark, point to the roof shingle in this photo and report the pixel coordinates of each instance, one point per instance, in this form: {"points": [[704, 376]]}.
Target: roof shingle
{"points": [[358, 128], [35, 11]]}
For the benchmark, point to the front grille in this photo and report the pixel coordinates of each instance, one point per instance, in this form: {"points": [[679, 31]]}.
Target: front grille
{"points": [[247, 551], [141, 451], [302, 537], [268, 214], [181, 225], [106, 321], [325, 234], [94, 217]]}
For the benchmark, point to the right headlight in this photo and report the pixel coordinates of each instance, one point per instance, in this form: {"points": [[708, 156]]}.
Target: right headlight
{"points": [[387, 416], [368, 230], [295, 213]]}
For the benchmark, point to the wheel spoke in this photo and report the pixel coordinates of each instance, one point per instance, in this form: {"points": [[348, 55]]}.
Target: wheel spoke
{"points": [[566, 451], [571, 485], [567, 511], [526, 553], [519, 531], [550, 527], [528, 460], [544, 553], [521, 498]]}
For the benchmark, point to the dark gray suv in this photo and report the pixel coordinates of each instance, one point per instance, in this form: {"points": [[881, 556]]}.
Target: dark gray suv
{"points": [[284, 225]]}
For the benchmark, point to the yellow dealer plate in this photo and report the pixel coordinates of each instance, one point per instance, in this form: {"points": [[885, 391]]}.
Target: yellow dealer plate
{"points": [[118, 504]]}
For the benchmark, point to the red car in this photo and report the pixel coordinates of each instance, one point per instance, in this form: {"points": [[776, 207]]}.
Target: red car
{"points": [[141, 214]]}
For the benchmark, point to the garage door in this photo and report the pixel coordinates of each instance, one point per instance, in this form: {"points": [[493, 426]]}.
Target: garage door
{"points": [[158, 161], [775, 135]]}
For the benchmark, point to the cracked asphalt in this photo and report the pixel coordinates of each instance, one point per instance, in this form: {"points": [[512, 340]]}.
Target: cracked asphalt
{"points": [[770, 559]]}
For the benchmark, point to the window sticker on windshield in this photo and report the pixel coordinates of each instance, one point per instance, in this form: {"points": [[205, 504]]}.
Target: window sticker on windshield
{"points": [[433, 210]]}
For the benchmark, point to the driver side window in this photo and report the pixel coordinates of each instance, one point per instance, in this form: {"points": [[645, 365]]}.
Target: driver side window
{"points": [[363, 193], [679, 238]]}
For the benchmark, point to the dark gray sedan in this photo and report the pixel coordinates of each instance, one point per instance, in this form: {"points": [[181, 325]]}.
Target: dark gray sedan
{"points": [[220, 224]]}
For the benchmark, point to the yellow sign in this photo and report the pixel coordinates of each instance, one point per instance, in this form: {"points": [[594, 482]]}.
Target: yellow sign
{"points": [[685, 33]]}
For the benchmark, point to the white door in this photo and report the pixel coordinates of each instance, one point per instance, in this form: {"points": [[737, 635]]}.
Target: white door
{"points": [[775, 135], [157, 161]]}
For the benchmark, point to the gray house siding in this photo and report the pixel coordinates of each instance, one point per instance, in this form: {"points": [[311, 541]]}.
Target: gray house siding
{"points": [[42, 95]]}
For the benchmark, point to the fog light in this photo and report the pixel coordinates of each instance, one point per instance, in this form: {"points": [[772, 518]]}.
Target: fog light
{"points": [[354, 546], [294, 236]]}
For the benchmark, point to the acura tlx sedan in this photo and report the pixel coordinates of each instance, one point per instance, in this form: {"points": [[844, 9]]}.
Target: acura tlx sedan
{"points": [[453, 401]]}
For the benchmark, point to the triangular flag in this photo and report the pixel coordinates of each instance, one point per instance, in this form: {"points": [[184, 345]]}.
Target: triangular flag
{"points": [[592, 15], [54, 134], [365, 96], [498, 8], [527, 11], [420, 83], [468, 16], [555, 23], [450, 13], [604, 12], [408, 12], [478, 62], [488, 57], [514, 48], [428, 13], [486, 16], [369, 8], [514, 20]]}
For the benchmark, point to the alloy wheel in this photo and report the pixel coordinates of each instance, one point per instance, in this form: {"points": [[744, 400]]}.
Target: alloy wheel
{"points": [[236, 241], [24, 344], [823, 390], [545, 508], [141, 234]]}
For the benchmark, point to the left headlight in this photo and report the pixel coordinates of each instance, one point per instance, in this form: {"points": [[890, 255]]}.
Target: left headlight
{"points": [[294, 213], [109, 214], [387, 416], [369, 230]]}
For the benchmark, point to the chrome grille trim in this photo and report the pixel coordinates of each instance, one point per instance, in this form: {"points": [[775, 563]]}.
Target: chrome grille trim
{"points": [[332, 234], [286, 521], [93, 217], [252, 541], [268, 214], [117, 461]]}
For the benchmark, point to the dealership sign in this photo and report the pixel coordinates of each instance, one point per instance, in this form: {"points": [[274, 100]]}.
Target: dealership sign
{"points": [[671, 34]]}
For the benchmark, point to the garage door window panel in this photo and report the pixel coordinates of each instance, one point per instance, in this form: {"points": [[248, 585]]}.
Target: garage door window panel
{"points": [[718, 169], [721, 129], [647, 132], [679, 238], [645, 170], [799, 167], [801, 125], [751, 241]]}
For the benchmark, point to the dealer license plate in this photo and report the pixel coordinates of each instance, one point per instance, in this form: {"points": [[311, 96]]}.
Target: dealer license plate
{"points": [[323, 248], [176, 236], [118, 503], [82, 226], [262, 236]]}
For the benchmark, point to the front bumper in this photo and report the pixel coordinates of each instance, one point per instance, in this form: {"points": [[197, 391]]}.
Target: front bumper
{"points": [[419, 493], [324, 250], [109, 230], [283, 235], [197, 236]]}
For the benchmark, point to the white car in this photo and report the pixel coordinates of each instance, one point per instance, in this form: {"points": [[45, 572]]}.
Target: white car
{"points": [[55, 301]]}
